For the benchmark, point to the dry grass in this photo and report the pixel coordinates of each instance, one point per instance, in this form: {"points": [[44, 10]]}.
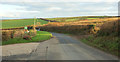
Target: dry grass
{"points": [[71, 29], [6, 34], [78, 26], [109, 28], [82, 22]]}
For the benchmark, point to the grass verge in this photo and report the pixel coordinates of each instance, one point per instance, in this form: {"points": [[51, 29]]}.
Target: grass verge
{"points": [[107, 44], [41, 36]]}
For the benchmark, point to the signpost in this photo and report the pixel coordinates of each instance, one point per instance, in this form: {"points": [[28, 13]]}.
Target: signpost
{"points": [[25, 28]]}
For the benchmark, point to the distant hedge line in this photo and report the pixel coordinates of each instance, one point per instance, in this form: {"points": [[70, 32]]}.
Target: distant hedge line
{"points": [[70, 29]]}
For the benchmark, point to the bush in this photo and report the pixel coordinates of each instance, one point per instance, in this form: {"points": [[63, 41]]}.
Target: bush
{"points": [[32, 33], [70, 29], [18, 34], [27, 37], [10, 34], [6, 35], [109, 29]]}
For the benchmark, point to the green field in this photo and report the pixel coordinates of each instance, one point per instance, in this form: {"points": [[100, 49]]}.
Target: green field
{"points": [[70, 19], [67, 19], [20, 23], [24, 22], [41, 36]]}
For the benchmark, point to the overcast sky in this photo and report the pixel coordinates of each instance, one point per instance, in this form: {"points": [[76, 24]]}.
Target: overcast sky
{"points": [[53, 8]]}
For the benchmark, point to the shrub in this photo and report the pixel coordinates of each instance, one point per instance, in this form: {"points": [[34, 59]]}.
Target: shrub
{"points": [[27, 37], [32, 33], [109, 28], [9, 34], [18, 33], [71, 29], [6, 35]]}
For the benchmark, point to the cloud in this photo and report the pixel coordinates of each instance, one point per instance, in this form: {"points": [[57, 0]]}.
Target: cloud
{"points": [[10, 14], [57, 9], [59, 1], [54, 9]]}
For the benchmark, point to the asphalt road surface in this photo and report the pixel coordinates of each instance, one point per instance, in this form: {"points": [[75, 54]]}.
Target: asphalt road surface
{"points": [[63, 47]]}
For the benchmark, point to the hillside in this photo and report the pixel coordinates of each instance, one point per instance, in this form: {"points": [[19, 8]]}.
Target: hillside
{"points": [[20, 23], [67, 19]]}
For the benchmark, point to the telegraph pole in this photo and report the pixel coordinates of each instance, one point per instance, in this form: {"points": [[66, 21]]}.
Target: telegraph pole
{"points": [[34, 24]]}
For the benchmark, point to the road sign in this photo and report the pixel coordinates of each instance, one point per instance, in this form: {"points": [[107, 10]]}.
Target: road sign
{"points": [[25, 27]]}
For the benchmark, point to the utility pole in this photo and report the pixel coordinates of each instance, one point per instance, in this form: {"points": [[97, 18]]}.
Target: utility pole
{"points": [[34, 24]]}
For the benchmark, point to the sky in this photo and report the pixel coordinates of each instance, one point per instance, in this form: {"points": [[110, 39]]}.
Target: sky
{"points": [[10, 9]]}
